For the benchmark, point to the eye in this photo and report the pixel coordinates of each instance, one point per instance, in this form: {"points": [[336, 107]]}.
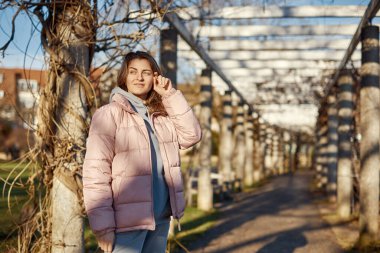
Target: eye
{"points": [[147, 73], [132, 72]]}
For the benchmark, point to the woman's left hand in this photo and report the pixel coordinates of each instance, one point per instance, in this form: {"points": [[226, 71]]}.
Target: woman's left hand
{"points": [[161, 84]]}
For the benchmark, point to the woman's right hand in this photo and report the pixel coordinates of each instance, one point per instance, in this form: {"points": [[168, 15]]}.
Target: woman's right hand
{"points": [[106, 241]]}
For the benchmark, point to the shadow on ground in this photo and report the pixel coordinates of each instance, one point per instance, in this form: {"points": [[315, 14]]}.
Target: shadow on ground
{"points": [[270, 200]]}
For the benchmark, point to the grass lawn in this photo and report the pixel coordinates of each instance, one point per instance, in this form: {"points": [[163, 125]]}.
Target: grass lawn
{"points": [[9, 217], [194, 223], [10, 211]]}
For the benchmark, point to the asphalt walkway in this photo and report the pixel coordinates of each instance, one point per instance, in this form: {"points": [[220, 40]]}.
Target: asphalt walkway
{"points": [[280, 217]]}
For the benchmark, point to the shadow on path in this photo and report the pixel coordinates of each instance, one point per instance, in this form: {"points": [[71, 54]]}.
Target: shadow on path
{"points": [[286, 242], [273, 219]]}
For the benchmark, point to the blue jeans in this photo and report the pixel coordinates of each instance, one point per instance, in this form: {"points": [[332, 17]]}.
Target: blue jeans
{"points": [[142, 241]]}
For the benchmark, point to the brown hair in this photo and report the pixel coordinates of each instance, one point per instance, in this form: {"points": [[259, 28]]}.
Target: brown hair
{"points": [[153, 100]]}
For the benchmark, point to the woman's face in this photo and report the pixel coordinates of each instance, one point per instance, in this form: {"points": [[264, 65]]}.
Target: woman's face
{"points": [[139, 78]]}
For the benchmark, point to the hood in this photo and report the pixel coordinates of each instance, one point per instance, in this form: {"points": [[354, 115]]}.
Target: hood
{"points": [[119, 96], [126, 99]]}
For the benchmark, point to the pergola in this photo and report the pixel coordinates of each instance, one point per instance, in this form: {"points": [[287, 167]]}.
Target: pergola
{"points": [[285, 71], [285, 65]]}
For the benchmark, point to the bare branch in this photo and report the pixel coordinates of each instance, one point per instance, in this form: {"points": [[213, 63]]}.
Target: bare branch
{"points": [[3, 48]]}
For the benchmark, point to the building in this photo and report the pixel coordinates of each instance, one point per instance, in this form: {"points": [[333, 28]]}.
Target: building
{"points": [[19, 93]]}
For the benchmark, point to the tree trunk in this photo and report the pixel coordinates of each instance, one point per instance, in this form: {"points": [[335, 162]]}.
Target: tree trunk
{"points": [[70, 63]]}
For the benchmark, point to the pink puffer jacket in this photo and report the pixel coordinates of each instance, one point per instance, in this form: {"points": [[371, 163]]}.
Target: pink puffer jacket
{"points": [[117, 176]]}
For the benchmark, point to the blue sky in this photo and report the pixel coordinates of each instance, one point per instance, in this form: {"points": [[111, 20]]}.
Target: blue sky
{"points": [[27, 38]]}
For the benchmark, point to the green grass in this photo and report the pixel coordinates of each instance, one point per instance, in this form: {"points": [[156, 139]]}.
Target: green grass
{"points": [[10, 208], [194, 224], [9, 217], [89, 239]]}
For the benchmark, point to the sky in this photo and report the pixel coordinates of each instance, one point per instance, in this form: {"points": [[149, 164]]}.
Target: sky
{"points": [[28, 39]]}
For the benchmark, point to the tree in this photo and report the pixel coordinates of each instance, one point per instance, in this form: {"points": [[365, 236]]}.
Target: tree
{"points": [[71, 33]]}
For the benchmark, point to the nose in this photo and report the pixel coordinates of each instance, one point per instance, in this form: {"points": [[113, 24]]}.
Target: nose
{"points": [[139, 76]]}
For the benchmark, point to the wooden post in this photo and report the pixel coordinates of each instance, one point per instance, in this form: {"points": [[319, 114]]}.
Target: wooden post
{"points": [[204, 178], [286, 138], [324, 156], [263, 146], [275, 153], [292, 162], [321, 147], [310, 152], [258, 155], [168, 65], [268, 163], [332, 148], [281, 153], [346, 118], [239, 135], [168, 54], [249, 149], [297, 149], [225, 150], [369, 127]]}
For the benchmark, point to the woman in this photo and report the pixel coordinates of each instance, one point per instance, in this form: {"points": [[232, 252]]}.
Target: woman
{"points": [[132, 181]]}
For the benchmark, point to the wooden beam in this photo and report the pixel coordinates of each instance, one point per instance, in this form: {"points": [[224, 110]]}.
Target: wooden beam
{"points": [[371, 11], [254, 45], [274, 11], [275, 80], [272, 72], [268, 30], [274, 64], [273, 55], [173, 19], [290, 114]]}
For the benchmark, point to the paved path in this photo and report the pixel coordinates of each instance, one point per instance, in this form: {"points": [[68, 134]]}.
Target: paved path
{"points": [[277, 218]]}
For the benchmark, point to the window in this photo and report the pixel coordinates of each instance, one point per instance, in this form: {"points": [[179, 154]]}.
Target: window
{"points": [[27, 85], [2, 93]]}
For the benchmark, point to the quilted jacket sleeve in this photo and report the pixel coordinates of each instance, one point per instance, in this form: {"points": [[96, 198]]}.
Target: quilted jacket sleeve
{"points": [[184, 120], [97, 191]]}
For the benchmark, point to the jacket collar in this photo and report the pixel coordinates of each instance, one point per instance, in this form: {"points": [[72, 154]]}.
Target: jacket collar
{"points": [[123, 102]]}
